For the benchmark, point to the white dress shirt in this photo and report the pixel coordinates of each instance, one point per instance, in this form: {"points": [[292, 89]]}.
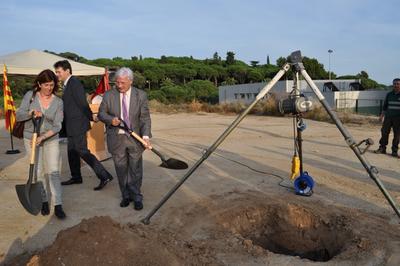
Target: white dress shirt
{"points": [[128, 102], [66, 81]]}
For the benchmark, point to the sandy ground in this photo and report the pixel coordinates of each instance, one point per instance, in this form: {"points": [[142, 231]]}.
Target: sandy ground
{"points": [[223, 213]]}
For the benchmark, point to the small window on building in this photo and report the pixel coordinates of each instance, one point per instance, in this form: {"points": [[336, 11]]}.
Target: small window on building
{"points": [[242, 96], [236, 95]]}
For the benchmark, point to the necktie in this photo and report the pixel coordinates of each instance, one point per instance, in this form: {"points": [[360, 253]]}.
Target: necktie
{"points": [[125, 113]]}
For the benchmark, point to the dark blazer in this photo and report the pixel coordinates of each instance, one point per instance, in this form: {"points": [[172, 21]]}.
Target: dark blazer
{"points": [[139, 115], [77, 114]]}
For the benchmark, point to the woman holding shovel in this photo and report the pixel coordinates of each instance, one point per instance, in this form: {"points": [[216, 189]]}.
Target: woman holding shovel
{"points": [[42, 102]]}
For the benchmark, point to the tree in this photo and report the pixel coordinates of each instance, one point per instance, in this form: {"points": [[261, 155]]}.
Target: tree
{"points": [[366, 82], [364, 74], [268, 71], [254, 75], [202, 89], [219, 73], [254, 63], [216, 59], [281, 61], [163, 59], [205, 72], [315, 69], [229, 81], [154, 75], [157, 95], [185, 73], [71, 56], [139, 80], [230, 58], [238, 72], [176, 94]]}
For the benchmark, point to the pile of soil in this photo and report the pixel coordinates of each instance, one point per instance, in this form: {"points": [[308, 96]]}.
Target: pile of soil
{"points": [[102, 241], [235, 228]]}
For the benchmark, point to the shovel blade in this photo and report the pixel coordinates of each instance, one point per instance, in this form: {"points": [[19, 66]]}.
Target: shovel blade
{"points": [[30, 198], [174, 164]]}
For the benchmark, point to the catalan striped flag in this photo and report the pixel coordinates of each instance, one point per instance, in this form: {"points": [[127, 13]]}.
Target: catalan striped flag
{"points": [[9, 107]]}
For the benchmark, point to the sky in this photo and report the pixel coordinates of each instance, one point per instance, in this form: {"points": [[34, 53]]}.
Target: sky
{"points": [[363, 34]]}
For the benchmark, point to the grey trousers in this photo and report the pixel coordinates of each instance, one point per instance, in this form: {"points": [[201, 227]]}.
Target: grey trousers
{"points": [[47, 167], [128, 164]]}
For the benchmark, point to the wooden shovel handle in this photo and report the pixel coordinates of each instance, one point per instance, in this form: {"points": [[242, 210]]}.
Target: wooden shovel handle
{"points": [[140, 139], [33, 148], [36, 131]]}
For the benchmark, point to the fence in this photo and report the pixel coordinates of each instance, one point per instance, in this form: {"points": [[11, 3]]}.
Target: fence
{"points": [[360, 106]]}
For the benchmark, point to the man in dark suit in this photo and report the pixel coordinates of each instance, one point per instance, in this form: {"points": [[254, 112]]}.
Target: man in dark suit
{"points": [[77, 117], [130, 104]]}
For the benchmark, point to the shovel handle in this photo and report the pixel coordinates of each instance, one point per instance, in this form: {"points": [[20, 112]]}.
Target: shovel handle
{"points": [[125, 127], [140, 139], [36, 131], [33, 148]]}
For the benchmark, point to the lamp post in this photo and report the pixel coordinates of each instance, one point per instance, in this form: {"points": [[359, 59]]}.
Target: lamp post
{"points": [[329, 71]]}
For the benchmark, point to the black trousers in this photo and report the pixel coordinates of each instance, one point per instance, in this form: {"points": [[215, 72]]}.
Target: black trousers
{"points": [[77, 149], [388, 124]]}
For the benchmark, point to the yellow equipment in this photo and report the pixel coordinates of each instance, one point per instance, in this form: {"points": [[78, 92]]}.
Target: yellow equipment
{"points": [[295, 167]]}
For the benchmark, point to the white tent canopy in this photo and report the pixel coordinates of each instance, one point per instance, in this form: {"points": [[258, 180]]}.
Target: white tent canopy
{"points": [[32, 62]]}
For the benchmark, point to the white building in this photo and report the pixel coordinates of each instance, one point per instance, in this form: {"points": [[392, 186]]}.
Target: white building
{"points": [[340, 94]]}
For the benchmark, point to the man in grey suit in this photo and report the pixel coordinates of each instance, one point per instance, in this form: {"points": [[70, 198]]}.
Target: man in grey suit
{"points": [[130, 104]]}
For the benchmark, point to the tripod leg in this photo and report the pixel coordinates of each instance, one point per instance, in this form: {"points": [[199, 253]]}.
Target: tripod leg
{"points": [[372, 170], [220, 139]]}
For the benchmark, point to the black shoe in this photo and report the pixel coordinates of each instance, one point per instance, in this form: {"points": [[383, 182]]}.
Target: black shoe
{"points": [[394, 154], [138, 205], [381, 150], [45, 208], [124, 203], [72, 181], [58, 211], [103, 183]]}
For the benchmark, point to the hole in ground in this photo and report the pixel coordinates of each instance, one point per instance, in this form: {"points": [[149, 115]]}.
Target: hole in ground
{"points": [[291, 230]]}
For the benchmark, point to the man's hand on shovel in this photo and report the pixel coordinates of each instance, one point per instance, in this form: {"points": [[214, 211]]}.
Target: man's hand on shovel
{"points": [[147, 141], [115, 122]]}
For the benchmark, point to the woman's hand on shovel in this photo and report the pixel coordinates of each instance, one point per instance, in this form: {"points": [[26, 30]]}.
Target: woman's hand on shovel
{"points": [[36, 113], [39, 140]]}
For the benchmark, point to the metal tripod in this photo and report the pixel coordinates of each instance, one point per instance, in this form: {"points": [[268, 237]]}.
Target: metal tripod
{"points": [[296, 63]]}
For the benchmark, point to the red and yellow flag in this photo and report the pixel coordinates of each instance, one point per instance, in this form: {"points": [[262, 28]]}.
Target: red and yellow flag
{"points": [[103, 85], [9, 107]]}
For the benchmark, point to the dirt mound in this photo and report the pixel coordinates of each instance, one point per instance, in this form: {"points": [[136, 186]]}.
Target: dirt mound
{"points": [[102, 241]]}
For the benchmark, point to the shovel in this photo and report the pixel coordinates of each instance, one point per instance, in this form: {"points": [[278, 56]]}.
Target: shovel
{"points": [[30, 194], [171, 163]]}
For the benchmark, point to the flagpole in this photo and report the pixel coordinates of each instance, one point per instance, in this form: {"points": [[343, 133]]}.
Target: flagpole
{"points": [[9, 110], [12, 151]]}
